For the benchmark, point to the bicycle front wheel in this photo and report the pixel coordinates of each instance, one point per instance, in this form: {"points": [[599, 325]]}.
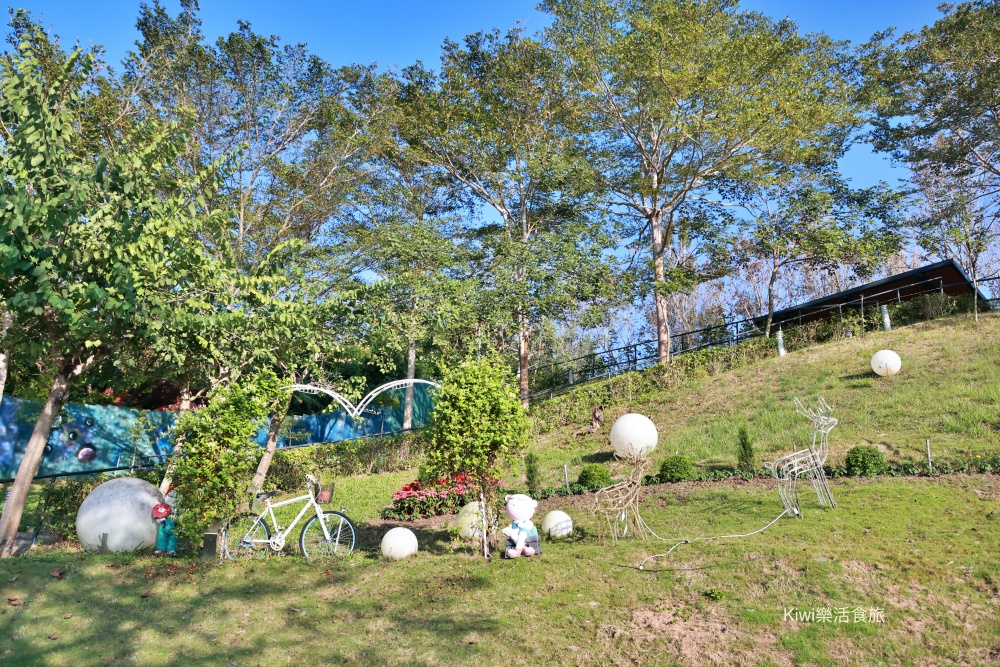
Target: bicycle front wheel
{"points": [[245, 537], [342, 537]]}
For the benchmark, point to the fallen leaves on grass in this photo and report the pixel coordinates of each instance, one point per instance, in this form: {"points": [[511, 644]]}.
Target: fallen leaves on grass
{"points": [[15, 602], [58, 574]]}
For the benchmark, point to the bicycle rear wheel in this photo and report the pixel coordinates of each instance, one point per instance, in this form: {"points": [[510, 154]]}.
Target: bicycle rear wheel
{"points": [[245, 537], [343, 537]]}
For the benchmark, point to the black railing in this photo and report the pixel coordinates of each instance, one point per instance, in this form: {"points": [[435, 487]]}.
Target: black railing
{"points": [[551, 378]]}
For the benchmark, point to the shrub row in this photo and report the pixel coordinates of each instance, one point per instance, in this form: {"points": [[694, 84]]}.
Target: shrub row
{"points": [[671, 471], [346, 457]]}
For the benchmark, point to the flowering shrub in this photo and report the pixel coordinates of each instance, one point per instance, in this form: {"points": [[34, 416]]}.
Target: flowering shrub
{"points": [[420, 499]]}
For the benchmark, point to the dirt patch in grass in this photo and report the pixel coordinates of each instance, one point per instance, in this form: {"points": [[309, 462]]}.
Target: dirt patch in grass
{"points": [[707, 637]]}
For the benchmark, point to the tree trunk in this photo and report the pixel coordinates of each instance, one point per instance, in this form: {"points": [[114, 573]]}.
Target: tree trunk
{"points": [[5, 354], [523, 338], [411, 370], [659, 297], [257, 483], [185, 406], [770, 304], [14, 507]]}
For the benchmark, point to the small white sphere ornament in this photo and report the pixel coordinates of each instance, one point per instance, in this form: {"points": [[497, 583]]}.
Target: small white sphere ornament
{"points": [[121, 508], [470, 521], [399, 543], [634, 435], [886, 363], [557, 524]]}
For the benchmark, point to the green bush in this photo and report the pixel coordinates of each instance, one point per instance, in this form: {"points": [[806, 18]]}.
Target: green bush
{"points": [[866, 461], [478, 428], [594, 476], [532, 475], [746, 460], [676, 469], [215, 455], [478, 425]]}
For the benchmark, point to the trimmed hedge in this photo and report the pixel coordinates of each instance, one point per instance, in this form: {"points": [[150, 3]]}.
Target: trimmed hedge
{"points": [[866, 461], [676, 469], [594, 476]]}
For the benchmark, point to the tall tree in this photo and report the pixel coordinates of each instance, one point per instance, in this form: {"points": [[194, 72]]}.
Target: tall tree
{"points": [[498, 119], [89, 250], [404, 220], [808, 218], [280, 109], [936, 96], [677, 94], [955, 220], [936, 92]]}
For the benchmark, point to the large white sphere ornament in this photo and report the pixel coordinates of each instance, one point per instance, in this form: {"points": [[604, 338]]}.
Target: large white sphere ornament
{"points": [[121, 508], [470, 521], [633, 435], [557, 524], [886, 363], [399, 543]]}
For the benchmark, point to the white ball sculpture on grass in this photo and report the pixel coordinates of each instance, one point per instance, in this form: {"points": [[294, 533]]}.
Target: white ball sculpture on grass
{"points": [[122, 509], [470, 521], [886, 363], [557, 524], [399, 543], [633, 435]]}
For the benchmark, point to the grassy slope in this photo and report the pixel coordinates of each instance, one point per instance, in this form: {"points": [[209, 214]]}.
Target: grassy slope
{"points": [[921, 549], [948, 391]]}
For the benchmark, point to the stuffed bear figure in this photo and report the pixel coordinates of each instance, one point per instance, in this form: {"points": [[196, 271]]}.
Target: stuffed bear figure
{"points": [[522, 536]]}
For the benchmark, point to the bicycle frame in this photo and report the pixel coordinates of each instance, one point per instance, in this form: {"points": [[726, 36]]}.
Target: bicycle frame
{"points": [[269, 510]]}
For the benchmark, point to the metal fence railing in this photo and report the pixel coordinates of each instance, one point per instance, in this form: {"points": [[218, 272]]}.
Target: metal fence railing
{"points": [[551, 378]]}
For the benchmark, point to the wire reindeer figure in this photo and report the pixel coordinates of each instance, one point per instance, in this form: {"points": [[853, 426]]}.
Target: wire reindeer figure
{"points": [[808, 461]]}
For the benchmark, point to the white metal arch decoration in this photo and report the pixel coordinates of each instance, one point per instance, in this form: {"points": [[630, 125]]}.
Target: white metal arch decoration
{"points": [[350, 408]]}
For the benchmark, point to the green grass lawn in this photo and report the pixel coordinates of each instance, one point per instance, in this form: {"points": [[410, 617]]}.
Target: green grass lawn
{"points": [[921, 550], [948, 390]]}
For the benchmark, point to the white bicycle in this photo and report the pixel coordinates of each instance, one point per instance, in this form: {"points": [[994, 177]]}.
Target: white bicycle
{"points": [[325, 535]]}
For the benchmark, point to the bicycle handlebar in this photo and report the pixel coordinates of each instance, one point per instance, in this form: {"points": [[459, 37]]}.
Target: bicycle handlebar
{"points": [[312, 480]]}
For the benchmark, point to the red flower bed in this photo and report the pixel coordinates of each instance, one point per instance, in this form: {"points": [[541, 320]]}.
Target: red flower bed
{"points": [[443, 496]]}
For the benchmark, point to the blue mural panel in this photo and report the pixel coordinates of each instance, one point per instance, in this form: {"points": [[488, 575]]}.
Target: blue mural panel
{"points": [[89, 438], [84, 437]]}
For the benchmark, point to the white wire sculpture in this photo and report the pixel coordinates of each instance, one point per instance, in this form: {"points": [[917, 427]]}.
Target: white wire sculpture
{"points": [[806, 462], [787, 470], [350, 408]]}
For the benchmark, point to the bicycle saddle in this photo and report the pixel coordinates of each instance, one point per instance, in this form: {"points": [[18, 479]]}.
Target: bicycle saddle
{"points": [[266, 495]]}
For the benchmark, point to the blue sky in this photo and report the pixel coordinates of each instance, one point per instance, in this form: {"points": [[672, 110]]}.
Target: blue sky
{"points": [[395, 32]]}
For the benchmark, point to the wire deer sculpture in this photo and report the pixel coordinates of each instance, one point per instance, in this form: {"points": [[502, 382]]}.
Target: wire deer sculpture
{"points": [[808, 461]]}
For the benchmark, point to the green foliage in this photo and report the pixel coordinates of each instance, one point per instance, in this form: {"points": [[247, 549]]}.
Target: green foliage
{"points": [[746, 460], [655, 80], [217, 456], [478, 425], [676, 469], [594, 476], [866, 461], [61, 501], [532, 475]]}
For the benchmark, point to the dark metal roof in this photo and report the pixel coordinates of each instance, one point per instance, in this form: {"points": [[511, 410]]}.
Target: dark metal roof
{"points": [[946, 276]]}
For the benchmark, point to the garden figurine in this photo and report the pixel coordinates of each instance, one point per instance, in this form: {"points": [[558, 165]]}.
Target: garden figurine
{"points": [[522, 536], [166, 537]]}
